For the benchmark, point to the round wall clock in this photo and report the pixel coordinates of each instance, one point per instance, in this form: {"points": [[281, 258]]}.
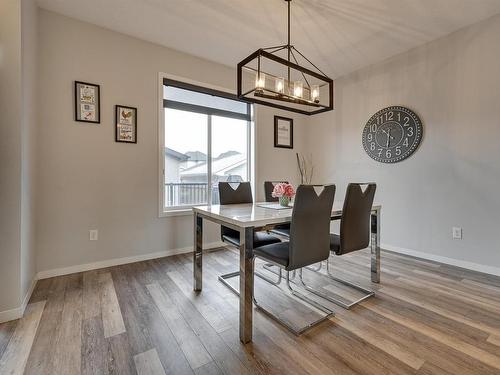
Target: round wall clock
{"points": [[392, 134]]}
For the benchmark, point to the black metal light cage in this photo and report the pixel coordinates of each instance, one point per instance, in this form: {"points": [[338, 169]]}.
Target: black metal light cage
{"points": [[253, 66], [272, 98]]}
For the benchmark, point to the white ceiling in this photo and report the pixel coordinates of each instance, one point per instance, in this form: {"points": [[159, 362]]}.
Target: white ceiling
{"points": [[340, 36]]}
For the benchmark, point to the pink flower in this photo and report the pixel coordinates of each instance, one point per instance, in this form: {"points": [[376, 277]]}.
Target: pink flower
{"points": [[283, 189], [279, 190], [289, 191]]}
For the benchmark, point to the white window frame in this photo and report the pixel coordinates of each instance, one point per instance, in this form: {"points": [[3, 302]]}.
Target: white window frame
{"points": [[187, 210]]}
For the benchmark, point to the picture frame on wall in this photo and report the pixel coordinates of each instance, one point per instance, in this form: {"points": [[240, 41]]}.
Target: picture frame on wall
{"points": [[87, 102], [283, 132], [125, 124]]}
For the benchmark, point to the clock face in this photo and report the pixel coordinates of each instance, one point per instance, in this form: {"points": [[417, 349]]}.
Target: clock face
{"points": [[392, 134]]}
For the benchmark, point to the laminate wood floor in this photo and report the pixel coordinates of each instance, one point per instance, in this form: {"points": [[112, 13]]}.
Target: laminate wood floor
{"points": [[144, 318]]}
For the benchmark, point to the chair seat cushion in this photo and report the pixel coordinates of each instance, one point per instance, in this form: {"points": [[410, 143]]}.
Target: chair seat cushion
{"points": [[259, 238], [277, 253], [282, 230], [335, 243]]}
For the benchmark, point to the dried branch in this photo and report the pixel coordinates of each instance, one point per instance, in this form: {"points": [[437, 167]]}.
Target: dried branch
{"points": [[306, 168]]}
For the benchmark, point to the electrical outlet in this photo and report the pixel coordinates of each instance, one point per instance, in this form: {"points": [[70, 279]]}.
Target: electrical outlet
{"points": [[457, 233], [93, 233]]}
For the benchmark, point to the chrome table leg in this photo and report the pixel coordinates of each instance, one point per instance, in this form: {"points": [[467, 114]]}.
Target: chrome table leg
{"points": [[375, 245], [246, 284], [198, 252]]}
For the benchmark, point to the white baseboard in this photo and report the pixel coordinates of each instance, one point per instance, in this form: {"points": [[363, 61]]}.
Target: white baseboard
{"points": [[119, 261], [8, 315], [449, 261], [18, 312]]}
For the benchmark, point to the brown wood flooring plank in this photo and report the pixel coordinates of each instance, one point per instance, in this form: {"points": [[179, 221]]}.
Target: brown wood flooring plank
{"points": [[429, 306], [419, 344], [95, 348], [6, 331], [482, 285], [91, 295], [67, 356], [209, 369], [340, 349], [426, 318], [41, 359], [110, 308], [137, 330], [120, 356], [148, 363], [188, 341], [222, 355], [15, 356], [149, 328], [495, 340], [424, 329]]}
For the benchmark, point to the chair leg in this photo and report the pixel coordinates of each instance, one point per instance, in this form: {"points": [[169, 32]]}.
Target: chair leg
{"points": [[320, 264], [305, 298], [223, 278], [269, 267], [302, 297], [368, 293]]}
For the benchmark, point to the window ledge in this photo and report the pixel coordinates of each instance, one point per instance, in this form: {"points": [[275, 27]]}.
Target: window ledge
{"points": [[181, 212]]}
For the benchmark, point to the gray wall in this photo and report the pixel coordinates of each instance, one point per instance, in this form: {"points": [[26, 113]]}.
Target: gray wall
{"points": [[452, 180], [17, 143], [10, 153], [29, 58], [85, 180]]}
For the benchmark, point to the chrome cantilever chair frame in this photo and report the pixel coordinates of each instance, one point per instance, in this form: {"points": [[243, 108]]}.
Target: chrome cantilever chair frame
{"points": [[368, 293], [328, 312], [351, 190]]}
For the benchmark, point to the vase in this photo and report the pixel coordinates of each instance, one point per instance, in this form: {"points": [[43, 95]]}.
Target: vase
{"points": [[284, 201]]}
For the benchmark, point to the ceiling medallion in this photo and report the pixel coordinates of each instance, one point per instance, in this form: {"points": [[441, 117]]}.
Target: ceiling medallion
{"points": [[292, 83]]}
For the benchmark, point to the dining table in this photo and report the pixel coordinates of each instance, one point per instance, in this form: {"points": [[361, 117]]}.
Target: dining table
{"points": [[252, 217]]}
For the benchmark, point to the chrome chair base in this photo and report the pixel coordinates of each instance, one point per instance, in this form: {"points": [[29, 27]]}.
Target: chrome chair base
{"points": [[368, 293], [299, 331]]}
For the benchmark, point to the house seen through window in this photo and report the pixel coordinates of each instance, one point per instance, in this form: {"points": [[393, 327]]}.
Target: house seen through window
{"points": [[207, 140]]}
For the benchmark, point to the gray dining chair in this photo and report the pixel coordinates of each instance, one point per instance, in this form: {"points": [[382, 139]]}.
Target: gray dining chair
{"points": [[354, 235], [309, 244], [239, 193], [280, 229]]}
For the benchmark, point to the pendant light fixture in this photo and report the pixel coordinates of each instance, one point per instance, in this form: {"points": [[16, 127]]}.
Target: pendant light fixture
{"points": [[282, 77]]}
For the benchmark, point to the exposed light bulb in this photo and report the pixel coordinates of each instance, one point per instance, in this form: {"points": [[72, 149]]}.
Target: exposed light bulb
{"points": [[315, 93], [280, 85], [298, 89], [260, 81]]}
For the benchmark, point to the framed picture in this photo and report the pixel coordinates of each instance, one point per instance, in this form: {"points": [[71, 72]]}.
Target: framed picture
{"points": [[125, 124], [283, 132], [87, 102]]}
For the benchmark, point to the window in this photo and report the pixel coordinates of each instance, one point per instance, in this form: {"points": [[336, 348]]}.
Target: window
{"points": [[206, 139]]}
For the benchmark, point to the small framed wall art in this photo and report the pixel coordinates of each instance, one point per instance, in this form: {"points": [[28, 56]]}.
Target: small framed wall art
{"points": [[87, 102], [126, 124], [283, 132]]}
